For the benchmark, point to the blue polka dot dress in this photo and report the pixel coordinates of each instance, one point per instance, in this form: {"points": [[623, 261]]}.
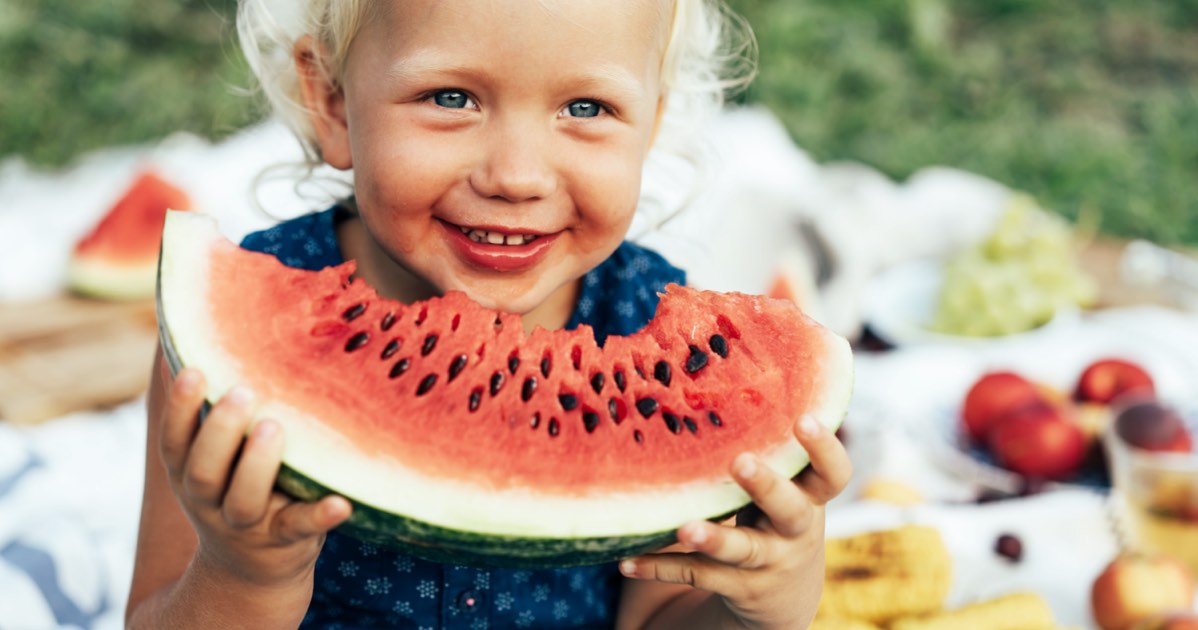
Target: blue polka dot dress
{"points": [[359, 585]]}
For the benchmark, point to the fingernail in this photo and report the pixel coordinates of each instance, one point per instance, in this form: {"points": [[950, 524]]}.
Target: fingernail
{"points": [[240, 396], [628, 568], [188, 380], [266, 429], [696, 533], [746, 467], [809, 426]]}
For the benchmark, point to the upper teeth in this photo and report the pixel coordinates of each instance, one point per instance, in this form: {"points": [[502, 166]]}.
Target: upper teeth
{"points": [[497, 238]]}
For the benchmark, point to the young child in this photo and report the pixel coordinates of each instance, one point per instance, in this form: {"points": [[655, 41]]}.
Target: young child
{"points": [[496, 148]]}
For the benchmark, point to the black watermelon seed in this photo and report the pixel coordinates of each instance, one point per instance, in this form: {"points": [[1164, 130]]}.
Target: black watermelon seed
{"points": [[391, 349], [696, 361], [496, 382], [513, 363], [535, 421], [530, 388], [690, 424], [426, 384], [614, 409], [638, 436], [576, 357], [357, 341], [400, 367], [597, 382], [388, 322], [719, 345], [553, 427], [640, 372], [456, 367], [590, 420], [545, 365], [430, 342], [661, 372], [621, 382], [354, 312], [672, 422], [715, 418], [476, 397], [646, 406], [568, 401]]}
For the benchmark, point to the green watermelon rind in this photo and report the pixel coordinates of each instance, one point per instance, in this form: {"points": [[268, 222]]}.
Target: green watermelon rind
{"points": [[453, 546]]}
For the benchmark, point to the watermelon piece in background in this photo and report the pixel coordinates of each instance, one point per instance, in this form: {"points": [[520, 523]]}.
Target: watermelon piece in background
{"points": [[118, 259]]}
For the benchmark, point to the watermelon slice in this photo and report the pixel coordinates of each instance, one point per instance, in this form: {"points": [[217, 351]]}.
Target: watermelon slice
{"points": [[460, 438], [118, 259]]}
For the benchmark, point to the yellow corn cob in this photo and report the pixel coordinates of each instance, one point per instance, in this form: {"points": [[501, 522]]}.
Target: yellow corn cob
{"points": [[883, 575], [841, 623], [1017, 611]]}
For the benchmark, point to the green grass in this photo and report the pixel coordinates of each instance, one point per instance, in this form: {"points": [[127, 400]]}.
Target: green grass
{"points": [[1090, 105]]}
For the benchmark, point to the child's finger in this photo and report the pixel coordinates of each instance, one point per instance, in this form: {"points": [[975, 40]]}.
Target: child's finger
{"points": [[209, 462], [830, 468], [683, 568], [788, 510], [248, 498], [301, 519], [742, 547], [180, 416]]}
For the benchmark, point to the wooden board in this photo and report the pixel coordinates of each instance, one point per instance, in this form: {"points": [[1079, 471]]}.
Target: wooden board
{"points": [[67, 354], [1103, 259]]}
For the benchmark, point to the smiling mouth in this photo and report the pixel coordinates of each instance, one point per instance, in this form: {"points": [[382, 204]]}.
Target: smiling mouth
{"points": [[497, 238]]}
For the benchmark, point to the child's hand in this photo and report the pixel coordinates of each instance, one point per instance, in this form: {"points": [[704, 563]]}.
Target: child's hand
{"points": [[769, 571], [224, 480]]}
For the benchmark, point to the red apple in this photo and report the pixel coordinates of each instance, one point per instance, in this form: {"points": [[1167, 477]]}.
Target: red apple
{"points": [[994, 395], [1038, 441], [1105, 380], [1134, 587], [1153, 426]]}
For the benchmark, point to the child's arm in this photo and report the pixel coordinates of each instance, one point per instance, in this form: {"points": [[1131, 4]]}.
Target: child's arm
{"points": [[764, 575], [217, 548]]}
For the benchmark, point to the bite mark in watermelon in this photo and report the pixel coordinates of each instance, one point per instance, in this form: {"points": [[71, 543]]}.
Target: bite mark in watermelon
{"points": [[118, 259], [460, 437]]}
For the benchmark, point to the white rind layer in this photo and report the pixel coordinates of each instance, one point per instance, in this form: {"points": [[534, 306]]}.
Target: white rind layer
{"points": [[113, 282], [314, 450]]}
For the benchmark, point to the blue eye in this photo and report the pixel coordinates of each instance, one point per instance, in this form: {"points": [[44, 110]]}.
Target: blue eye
{"points": [[452, 99], [584, 109]]}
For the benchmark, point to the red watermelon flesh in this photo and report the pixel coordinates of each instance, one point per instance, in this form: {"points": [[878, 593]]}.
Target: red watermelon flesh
{"points": [[118, 259], [446, 413]]}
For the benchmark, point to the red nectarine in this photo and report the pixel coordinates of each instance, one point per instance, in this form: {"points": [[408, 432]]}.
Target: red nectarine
{"points": [[1038, 441], [994, 395], [1105, 380], [1134, 587]]}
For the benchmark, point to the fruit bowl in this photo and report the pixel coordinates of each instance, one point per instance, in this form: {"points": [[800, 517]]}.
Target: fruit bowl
{"points": [[1155, 495], [965, 459], [899, 305]]}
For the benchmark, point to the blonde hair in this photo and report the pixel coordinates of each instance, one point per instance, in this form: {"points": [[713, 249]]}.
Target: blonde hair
{"points": [[710, 54]]}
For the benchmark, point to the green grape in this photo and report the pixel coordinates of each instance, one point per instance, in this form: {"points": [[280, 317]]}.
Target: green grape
{"points": [[1015, 279]]}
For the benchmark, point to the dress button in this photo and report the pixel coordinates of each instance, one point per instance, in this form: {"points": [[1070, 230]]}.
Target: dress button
{"points": [[470, 600]]}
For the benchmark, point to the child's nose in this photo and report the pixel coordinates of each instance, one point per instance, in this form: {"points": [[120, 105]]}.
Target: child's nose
{"points": [[516, 166]]}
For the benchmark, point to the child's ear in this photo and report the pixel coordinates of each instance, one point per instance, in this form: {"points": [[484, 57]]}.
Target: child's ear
{"points": [[324, 101]]}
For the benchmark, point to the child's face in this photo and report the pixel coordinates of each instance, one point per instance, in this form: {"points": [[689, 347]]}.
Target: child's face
{"points": [[497, 147]]}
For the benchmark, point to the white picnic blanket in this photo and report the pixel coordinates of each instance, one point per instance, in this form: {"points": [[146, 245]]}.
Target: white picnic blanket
{"points": [[70, 488]]}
